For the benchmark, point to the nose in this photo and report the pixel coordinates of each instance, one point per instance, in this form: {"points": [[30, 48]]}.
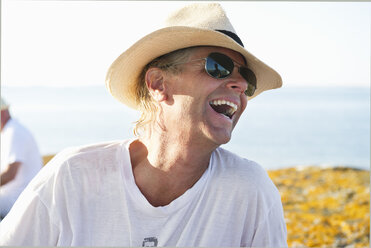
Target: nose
{"points": [[236, 82]]}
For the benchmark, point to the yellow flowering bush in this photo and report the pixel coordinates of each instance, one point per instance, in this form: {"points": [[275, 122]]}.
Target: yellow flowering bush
{"points": [[325, 207]]}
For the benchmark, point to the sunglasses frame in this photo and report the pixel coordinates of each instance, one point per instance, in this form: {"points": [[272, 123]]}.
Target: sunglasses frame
{"points": [[225, 61]]}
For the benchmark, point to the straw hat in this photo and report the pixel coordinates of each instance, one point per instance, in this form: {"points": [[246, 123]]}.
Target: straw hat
{"points": [[200, 24], [4, 105]]}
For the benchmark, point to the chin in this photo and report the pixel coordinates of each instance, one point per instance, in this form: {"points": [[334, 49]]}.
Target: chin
{"points": [[225, 141], [221, 139], [216, 135]]}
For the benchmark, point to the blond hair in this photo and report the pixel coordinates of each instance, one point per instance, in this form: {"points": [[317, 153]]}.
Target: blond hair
{"points": [[147, 105]]}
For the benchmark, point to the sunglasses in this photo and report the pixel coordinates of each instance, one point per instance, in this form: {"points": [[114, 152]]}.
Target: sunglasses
{"points": [[219, 66]]}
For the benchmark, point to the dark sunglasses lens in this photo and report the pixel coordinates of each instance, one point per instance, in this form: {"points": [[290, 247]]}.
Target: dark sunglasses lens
{"points": [[250, 90], [250, 77], [219, 65]]}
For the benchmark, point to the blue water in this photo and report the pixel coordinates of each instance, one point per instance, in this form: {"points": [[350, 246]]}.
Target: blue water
{"points": [[280, 128]]}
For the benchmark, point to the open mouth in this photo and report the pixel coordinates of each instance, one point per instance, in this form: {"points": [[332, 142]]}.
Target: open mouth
{"points": [[224, 107]]}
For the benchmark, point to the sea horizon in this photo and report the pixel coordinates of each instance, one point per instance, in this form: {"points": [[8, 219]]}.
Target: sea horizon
{"points": [[291, 126]]}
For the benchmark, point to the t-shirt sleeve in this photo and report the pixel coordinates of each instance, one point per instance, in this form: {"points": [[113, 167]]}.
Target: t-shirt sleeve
{"points": [[271, 232], [29, 222]]}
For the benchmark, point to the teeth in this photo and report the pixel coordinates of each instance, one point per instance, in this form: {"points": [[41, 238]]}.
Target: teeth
{"points": [[231, 104]]}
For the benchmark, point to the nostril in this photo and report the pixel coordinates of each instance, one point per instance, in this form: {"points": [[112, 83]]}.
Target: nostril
{"points": [[237, 88], [241, 87]]}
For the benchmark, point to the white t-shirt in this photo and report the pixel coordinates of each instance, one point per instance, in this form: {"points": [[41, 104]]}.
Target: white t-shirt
{"points": [[88, 197], [18, 145]]}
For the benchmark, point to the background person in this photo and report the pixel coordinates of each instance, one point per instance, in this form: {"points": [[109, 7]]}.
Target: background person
{"points": [[20, 159], [172, 185]]}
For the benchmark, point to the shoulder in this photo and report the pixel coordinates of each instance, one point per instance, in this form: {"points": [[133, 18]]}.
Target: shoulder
{"points": [[84, 163], [12, 127], [91, 154], [234, 165], [15, 130], [246, 176]]}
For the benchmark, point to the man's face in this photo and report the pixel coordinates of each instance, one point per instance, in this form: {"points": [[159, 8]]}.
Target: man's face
{"points": [[197, 101]]}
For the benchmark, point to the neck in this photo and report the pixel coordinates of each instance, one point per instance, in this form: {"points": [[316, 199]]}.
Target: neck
{"points": [[168, 151], [168, 160]]}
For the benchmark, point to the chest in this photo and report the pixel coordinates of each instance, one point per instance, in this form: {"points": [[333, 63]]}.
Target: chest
{"points": [[206, 222]]}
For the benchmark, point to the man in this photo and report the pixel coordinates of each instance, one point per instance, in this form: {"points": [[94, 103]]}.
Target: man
{"points": [[20, 159], [172, 185]]}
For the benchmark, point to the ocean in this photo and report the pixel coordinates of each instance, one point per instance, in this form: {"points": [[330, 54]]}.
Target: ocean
{"points": [[280, 128]]}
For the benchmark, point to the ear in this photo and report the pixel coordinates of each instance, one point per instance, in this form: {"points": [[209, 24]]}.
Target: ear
{"points": [[155, 84]]}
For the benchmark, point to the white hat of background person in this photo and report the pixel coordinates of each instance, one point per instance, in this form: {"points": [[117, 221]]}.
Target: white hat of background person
{"points": [[4, 105], [200, 24]]}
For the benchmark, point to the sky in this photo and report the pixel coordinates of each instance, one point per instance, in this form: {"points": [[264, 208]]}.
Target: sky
{"points": [[68, 43]]}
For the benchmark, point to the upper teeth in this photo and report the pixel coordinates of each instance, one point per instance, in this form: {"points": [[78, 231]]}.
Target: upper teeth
{"points": [[221, 102]]}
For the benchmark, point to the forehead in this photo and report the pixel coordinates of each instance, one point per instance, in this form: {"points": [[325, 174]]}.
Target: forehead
{"points": [[202, 52]]}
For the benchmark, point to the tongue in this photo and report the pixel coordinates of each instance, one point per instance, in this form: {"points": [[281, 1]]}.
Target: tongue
{"points": [[221, 109]]}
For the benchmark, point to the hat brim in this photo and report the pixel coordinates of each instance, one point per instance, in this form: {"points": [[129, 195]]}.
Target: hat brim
{"points": [[123, 74]]}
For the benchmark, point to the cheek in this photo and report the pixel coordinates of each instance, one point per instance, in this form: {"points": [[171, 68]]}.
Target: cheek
{"points": [[185, 105], [243, 103]]}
